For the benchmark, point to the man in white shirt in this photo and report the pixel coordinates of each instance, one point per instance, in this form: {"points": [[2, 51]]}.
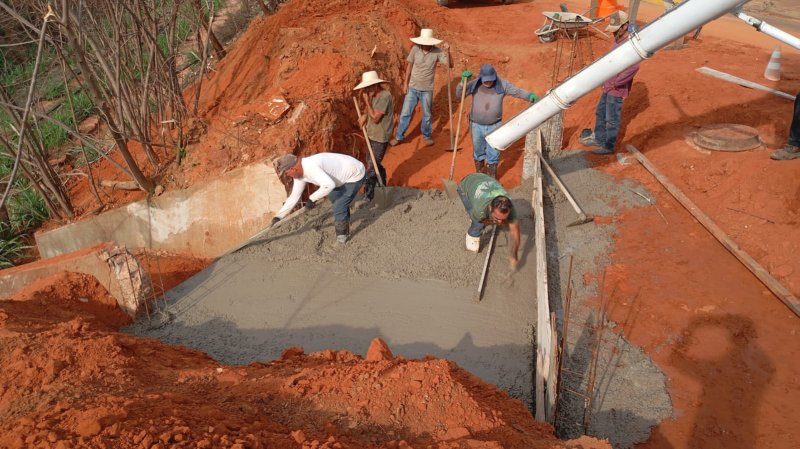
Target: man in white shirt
{"points": [[338, 176]]}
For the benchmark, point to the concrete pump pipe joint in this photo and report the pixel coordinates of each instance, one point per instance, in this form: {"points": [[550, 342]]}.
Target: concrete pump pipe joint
{"points": [[768, 29], [680, 20]]}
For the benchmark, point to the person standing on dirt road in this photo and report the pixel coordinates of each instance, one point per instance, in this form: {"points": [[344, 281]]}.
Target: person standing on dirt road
{"points": [[486, 114], [418, 86], [379, 108], [792, 148], [338, 176], [487, 202], [608, 114]]}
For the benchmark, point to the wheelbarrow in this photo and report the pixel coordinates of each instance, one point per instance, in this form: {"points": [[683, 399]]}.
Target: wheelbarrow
{"points": [[565, 23]]}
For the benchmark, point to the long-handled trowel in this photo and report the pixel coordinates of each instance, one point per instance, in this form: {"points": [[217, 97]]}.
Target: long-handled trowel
{"points": [[489, 250]]}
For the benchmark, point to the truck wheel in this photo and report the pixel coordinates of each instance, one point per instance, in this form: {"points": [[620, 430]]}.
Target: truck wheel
{"points": [[442, 2]]}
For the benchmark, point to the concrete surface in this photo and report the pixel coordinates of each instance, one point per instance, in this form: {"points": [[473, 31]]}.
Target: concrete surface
{"points": [[630, 395], [204, 220], [405, 276]]}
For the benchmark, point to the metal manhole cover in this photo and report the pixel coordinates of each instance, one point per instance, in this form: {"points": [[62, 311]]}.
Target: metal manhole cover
{"points": [[726, 137]]}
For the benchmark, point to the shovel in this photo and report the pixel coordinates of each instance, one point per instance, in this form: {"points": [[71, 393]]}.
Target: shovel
{"points": [[383, 198], [450, 185]]}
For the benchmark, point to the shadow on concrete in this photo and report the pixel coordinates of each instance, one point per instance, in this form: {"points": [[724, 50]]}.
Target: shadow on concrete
{"points": [[229, 344]]}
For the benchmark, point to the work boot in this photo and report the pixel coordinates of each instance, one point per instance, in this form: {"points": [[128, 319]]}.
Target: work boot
{"points": [[587, 138], [786, 153], [492, 170], [369, 188], [342, 230], [473, 243], [478, 166]]}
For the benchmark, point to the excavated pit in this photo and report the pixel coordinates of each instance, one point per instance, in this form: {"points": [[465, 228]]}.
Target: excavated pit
{"points": [[405, 277]]}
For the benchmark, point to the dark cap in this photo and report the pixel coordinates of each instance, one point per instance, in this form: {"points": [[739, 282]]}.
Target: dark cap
{"points": [[284, 163], [488, 73]]}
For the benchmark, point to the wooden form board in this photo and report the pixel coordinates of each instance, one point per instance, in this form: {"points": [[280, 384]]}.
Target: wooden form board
{"points": [[760, 272], [545, 365]]}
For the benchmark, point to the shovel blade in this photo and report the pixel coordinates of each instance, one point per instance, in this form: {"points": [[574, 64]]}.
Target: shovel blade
{"points": [[450, 187], [384, 197]]}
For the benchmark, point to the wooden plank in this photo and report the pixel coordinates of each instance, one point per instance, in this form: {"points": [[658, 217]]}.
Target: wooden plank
{"points": [[543, 331], [743, 82], [762, 274]]}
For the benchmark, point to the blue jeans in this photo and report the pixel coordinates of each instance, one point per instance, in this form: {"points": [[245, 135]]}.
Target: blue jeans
{"points": [[342, 197], [414, 96], [481, 150], [607, 120], [794, 128], [476, 227]]}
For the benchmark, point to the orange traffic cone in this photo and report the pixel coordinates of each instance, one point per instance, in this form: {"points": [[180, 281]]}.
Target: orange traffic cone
{"points": [[607, 7], [773, 71]]}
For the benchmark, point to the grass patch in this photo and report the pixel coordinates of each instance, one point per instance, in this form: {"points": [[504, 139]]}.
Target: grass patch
{"points": [[12, 248], [76, 155], [26, 208]]}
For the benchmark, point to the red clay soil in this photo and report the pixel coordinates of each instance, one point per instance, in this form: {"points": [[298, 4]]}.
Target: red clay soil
{"points": [[728, 346], [167, 270], [70, 380]]}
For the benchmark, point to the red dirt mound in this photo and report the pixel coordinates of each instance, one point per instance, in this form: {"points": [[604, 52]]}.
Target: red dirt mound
{"points": [[71, 381]]}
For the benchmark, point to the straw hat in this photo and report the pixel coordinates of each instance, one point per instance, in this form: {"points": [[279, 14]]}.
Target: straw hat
{"points": [[426, 38], [616, 21], [368, 79]]}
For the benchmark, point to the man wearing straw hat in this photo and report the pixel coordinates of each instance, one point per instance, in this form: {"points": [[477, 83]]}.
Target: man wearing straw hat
{"points": [[379, 108], [418, 85]]}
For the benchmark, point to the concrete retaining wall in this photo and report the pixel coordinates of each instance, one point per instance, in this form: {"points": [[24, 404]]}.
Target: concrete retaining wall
{"points": [[114, 267], [204, 220]]}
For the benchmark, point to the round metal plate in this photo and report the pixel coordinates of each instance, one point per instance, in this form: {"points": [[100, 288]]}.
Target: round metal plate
{"points": [[726, 137]]}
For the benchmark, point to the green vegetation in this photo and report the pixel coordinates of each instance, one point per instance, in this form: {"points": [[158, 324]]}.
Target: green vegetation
{"points": [[12, 248], [26, 207]]}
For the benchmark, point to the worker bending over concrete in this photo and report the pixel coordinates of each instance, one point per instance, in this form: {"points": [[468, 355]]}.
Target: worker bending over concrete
{"points": [[378, 118], [487, 202], [486, 114], [338, 176]]}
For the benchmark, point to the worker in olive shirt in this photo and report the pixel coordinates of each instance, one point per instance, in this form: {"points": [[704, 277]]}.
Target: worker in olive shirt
{"points": [[487, 202], [378, 118]]}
